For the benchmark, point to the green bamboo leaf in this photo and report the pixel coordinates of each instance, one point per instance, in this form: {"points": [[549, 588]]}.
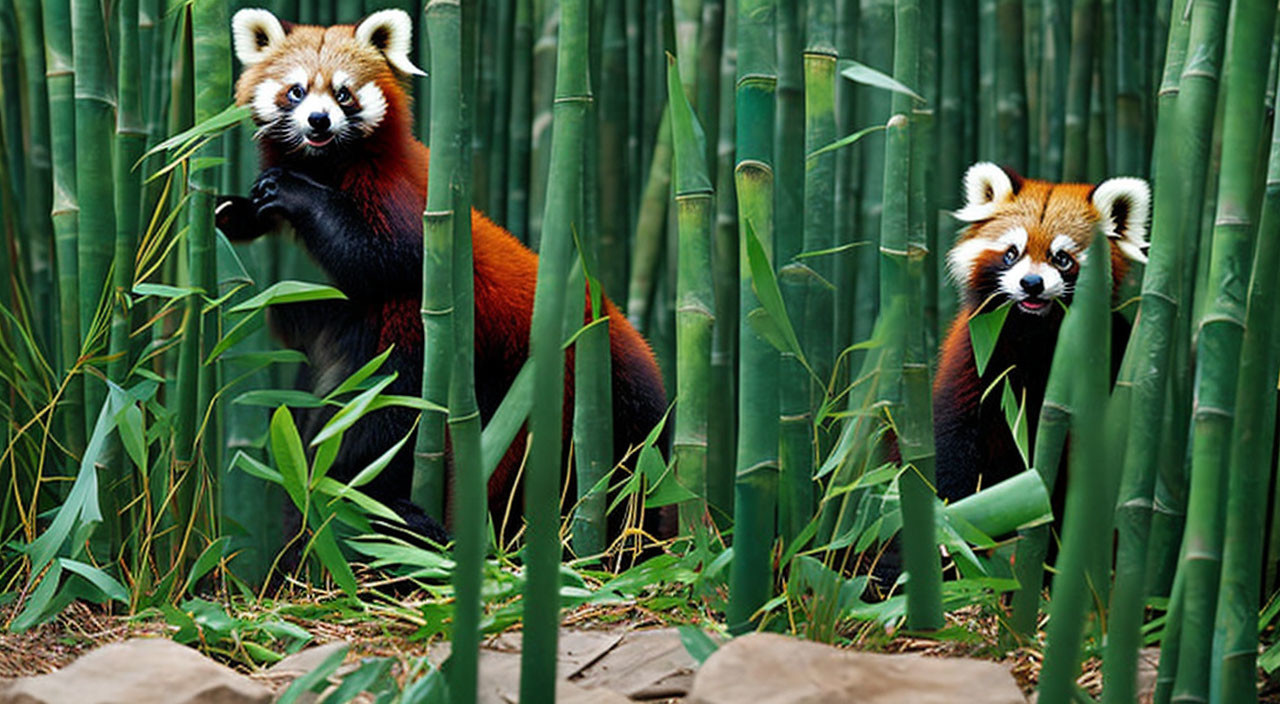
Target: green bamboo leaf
{"points": [[1015, 415], [325, 547], [844, 142], [261, 654], [105, 583], [697, 643], [230, 269], [242, 329], [289, 292], [163, 291], [374, 468], [507, 420], [272, 398], [208, 559], [689, 140], [286, 449], [315, 678], [34, 612], [335, 489], [867, 76], [370, 673], [255, 468], [233, 115], [364, 372], [354, 410], [663, 487], [984, 331], [133, 435], [765, 285]]}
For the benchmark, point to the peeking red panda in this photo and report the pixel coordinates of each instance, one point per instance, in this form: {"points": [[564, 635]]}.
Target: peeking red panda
{"points": [[1024, 245], [341, 166]]}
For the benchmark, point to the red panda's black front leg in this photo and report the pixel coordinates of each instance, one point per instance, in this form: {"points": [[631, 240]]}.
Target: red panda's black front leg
{"points": [[957, 408], [363, 263]]}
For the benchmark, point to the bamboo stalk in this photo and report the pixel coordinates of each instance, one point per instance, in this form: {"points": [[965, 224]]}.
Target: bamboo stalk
{"points": [[755, 485], [60, 75], [1075, 150], [1252, 436], [1219, 339], [795, 423], [1089, 327], [904, 380], [95, 121], [563, 213], [695, 304], [1152, 346], [722, 410]]}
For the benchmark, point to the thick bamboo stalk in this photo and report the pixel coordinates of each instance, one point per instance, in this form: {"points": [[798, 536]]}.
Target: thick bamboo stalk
{"points": [[542, 476], [1075, 151], [1218, 341], [95, 123], [904, 381], [1152, 343], [755, 486], [1089, 327], [795, 423], [695, 305], [820, 191], [1252, 437], [444, 30], [60, 75]]}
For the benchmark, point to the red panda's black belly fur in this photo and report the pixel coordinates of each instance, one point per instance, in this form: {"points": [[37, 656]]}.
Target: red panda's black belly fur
{"points": [[975, 446]]}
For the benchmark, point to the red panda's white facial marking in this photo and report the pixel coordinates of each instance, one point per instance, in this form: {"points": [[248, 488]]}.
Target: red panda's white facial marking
{"points": [[1025, 239], [316, 89]]}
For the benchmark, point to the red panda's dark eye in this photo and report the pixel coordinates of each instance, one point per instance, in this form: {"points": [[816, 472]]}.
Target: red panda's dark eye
{"points": [[1062, 260], [343, 96], [296, 93], [1011, 255]]}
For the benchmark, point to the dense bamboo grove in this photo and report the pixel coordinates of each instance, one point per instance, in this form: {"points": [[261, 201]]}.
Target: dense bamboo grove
{"points": [[764, 187]]}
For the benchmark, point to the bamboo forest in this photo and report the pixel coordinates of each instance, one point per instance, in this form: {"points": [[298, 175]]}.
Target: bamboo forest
{"points": [[640, 350]]}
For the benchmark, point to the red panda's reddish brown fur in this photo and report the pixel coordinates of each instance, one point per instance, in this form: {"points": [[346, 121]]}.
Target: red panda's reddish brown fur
{"points": [[381, 172]]}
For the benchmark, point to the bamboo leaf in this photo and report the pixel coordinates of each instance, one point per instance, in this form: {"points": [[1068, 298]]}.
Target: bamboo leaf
{"points": [[765, 284], [867, 76], [224, 120], [507, 420], [364, 372], [689, 140], [984, 331], [697, 643], [315, 677], [843, 142], [286, 449], [279, 397], [104, 582], [289, 292], [208, 559], [354, 410]]}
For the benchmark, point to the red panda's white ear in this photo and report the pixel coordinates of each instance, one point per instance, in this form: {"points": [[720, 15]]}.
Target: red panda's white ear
{"points": [[986, 186], [254, 33], [391, 32], [1124, 205]]}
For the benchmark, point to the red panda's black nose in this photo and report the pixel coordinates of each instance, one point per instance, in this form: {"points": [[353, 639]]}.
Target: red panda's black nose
{"points": [[319, 120], [1033, 284]]}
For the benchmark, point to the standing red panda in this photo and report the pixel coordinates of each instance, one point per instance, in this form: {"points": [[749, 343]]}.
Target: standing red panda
{"points": [[341, 166], [1023, 245]]}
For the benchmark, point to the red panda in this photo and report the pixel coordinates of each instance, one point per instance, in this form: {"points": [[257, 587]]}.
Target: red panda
{"points": [[1023, 245], [341, 166]]}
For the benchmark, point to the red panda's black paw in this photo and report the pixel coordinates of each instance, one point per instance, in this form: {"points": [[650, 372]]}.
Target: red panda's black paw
{"points": [[237, 218]]}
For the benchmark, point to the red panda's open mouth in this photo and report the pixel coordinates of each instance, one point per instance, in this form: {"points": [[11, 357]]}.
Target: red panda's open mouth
{"points": [[313, 142], [1033, 305]]}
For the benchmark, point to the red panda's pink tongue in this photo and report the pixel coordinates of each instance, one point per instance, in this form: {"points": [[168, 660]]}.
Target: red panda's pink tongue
{"points": [[1030, 304]]}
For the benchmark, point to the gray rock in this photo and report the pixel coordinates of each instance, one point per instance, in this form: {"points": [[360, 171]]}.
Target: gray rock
{"points": [[765, 668], [138, 671]]}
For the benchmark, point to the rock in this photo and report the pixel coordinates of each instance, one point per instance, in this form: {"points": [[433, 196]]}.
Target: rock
{"points": [[765, 668], [138, 671]]}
